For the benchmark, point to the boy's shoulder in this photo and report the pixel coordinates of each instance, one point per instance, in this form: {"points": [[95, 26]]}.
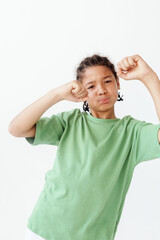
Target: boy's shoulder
{"points": [[133, 123], [71, 112], [66, 116]]}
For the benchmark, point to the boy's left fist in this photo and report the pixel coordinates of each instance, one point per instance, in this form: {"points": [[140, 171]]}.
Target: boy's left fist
{"points": [[133, 67]]}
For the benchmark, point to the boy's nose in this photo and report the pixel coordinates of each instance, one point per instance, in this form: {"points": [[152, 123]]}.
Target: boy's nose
{"points": [[101, 90]]}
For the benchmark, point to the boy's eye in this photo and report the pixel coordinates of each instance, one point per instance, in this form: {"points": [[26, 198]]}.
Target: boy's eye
{"points": [[105, 81], [90, 87]]}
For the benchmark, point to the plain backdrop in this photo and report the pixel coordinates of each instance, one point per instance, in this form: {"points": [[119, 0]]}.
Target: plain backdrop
{"points": [[41, 44]]}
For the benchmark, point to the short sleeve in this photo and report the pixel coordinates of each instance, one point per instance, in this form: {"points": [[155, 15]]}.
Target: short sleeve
{"points": [[146, 145], [48, 130]]}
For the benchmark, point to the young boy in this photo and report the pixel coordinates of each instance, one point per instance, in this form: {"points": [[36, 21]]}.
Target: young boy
{"points": [[84, 192]]}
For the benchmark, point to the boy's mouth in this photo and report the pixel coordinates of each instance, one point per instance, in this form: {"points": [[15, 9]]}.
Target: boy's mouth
{"points": [[104, 100]]}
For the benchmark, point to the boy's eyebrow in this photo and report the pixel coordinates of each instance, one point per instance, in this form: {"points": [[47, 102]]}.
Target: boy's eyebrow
{"points": [[102, 79]]}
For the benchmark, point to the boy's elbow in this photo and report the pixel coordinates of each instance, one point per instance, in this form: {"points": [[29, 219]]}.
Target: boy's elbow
{"points": [[17, 131], [13, 130]]}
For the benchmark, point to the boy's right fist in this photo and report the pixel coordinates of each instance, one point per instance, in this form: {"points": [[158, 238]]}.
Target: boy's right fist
{"points": [[73, 91]]}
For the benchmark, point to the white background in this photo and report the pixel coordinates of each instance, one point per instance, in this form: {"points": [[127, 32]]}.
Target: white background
{"points": [[41, 44]]}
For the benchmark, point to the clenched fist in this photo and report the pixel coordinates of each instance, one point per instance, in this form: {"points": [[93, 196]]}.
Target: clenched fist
{"points": [[134, 67], [73, 91]]}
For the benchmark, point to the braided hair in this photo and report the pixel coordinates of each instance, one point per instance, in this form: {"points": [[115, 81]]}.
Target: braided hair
{"points": [[95, 60]]}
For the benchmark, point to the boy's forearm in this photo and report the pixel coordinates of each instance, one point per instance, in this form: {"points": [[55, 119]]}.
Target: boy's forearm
{"points": [[152, 83], [26, 119]]}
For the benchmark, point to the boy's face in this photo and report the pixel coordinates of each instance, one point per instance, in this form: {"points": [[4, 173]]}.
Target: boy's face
{"points": [[104, 86]]}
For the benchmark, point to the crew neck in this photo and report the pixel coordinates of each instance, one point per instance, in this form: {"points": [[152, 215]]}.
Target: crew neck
{"points": [[100, 120]]}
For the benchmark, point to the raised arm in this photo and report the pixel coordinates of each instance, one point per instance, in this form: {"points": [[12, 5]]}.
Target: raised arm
{"points": [[134, 67], [24, 124]]}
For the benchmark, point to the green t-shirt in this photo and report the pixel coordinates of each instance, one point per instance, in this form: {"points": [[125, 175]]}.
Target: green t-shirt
{"points": [[84, 192]]}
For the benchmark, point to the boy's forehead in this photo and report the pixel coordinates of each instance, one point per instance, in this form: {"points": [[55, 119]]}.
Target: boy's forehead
{"points": [[96, 72]]}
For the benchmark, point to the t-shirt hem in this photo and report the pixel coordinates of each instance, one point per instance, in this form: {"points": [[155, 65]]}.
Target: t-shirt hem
{"points": [[36, 231], [33, 140]]}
